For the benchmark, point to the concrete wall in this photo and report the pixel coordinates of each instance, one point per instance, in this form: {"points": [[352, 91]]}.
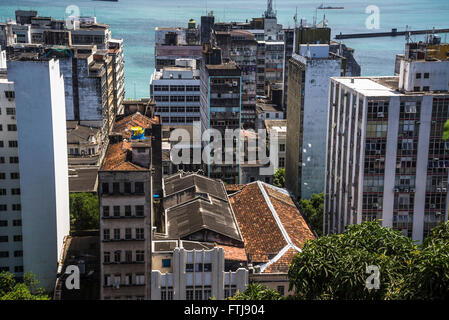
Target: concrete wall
{"points": [[41, 123]]}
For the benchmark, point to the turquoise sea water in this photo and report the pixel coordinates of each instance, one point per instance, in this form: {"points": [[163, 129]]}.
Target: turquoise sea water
{"points": [[135, 20]]}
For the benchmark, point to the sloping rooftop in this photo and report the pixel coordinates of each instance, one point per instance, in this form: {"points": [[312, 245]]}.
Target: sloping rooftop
{"points": [[117, 155], [81, 134], [194, 203], [137, 119], [272, 227]]}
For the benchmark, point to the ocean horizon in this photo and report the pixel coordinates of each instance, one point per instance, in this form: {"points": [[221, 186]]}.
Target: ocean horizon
{"points": [[135, 21]]}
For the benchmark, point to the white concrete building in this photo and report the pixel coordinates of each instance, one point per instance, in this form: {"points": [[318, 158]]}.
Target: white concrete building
{"points": [[385, 155], [176, 91], [197, 274], [307, 114], [42, 150]]}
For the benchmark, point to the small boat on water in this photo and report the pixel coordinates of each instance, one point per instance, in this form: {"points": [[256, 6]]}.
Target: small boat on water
{"points": [[322, 6], [107, 0]]}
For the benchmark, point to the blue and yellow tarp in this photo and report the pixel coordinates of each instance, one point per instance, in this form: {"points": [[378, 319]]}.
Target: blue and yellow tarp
{"points": [[137, 133]]}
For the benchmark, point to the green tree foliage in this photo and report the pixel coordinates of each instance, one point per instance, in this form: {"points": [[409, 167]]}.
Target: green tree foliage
{"points": [[429, 277], [83, 211], [257, 291], [334, 267], [27, 290], [313, 209], [279, 178]]}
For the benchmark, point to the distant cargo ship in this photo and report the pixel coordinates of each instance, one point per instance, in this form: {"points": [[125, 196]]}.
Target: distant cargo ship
{"points": [[107, 0], [322, 6]]}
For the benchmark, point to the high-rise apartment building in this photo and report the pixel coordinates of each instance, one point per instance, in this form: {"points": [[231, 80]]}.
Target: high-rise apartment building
{"points": [[126, 187], [35, 192], [385, 155], [176, 91], [309, 70]]}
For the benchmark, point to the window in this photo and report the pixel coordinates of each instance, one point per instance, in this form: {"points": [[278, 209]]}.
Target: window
{"points": [[189, 294], [116, 187], [281, 162], [10, 111], [418, 76], [12, 127], [127, 211], [107, 280], [207, 294], [17, 223], [1, 144], [116, 234], [189, 267], [198, 294], [3, 192], [18, 269], [280, 289], [16, 207], [140, 256], [426, 75], [207, 267], [425, 88], [107, 257], [128, 279], [140, 279], [166, 263], [106, 234], [138, 187], [139, 233], [15, 191], [2, 175], [117, 256], [139, 211], [3, 238], [128, 234], [3, 223], [127, 187], [2, 159], [18, 253], [4, 254], [13, 159], [117, 281], [116, 211], [282, 147], [128, 256], [105, 211], [15, 175], [105, 187], [13, 144], [3, 207], [17, 238]]}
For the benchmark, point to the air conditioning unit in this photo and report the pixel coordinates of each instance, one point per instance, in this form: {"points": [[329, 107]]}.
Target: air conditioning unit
{"points": [[438, 189], [377, 151], [396, 190], [412, 190], [235, 83], [443, 189], [405, 190], [380, 114], [437, 213], [432, 206]]}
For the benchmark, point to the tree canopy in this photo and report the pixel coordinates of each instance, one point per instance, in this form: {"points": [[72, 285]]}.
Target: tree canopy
{"points": [[335, 266], [313, 209], [83, 211], [279, 178], [257, 291], [27, 290]]}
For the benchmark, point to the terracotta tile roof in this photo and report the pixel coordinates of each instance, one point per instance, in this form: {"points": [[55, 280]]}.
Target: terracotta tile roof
{"points": [[234, 253], [283, 263], [116, 158], [272, 227], [231, 188], [137, 119]]}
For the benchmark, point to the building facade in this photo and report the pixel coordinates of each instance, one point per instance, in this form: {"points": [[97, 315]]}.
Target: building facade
{"points": [[386, 158], [40, 197]]}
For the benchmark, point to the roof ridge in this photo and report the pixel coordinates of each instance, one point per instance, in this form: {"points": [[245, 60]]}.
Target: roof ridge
{"points": [[276, 216], [283, 251]]}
